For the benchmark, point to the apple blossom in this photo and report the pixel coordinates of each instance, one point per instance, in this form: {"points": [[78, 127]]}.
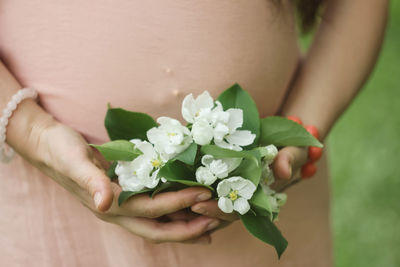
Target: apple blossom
{"points": [[170, 138], [234, 193]]}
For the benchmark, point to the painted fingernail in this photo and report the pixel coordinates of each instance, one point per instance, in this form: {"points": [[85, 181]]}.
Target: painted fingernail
{"points": [[203, 196], [212, 225], [97, 199]]}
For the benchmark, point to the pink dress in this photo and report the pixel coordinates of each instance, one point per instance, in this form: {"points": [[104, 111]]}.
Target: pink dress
{"points": [[145, 56]]}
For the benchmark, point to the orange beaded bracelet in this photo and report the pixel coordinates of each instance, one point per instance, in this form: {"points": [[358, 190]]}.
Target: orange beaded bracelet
{"points": [[314, 153]]}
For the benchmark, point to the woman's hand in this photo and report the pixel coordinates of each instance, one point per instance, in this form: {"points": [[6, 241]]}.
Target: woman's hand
{"points": [[63, 154], [285, 167]]}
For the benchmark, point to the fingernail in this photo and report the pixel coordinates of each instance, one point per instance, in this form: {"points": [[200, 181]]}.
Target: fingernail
{"points": [[199, 210], [203, 196], [97, 199], [212, 225]]}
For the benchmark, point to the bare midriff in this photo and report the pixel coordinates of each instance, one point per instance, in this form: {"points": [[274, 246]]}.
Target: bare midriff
{"points": [[147, 55]]}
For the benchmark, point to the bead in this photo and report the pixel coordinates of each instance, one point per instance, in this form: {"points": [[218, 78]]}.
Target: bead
{"points": [[7, 113], [314, 153], [7, 153], [308, 170], [312, 130], [295, 119]]}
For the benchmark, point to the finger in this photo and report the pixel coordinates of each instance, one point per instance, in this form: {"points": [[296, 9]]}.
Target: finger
{"points": [[204, 239], [95, 182], [222, 225], [288, 160], [185, 215], [175, 231], [210, 208], [163, 203]]}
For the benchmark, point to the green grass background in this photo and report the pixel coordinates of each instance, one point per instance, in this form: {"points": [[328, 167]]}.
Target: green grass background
{"points": [[365, 165]]}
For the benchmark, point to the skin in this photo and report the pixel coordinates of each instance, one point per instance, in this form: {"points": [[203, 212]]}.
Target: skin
{"points": [[167, 218]]}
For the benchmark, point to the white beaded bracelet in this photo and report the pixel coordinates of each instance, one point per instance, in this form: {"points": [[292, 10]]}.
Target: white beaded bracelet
{"points": [[7, 153]]}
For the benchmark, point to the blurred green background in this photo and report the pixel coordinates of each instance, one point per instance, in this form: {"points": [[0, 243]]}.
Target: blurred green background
{"points": [[365, 165]]}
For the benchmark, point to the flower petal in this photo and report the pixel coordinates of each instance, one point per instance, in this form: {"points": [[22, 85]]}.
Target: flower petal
{"points": [[168, 121], [204, 101], [235, 119], [147, 149], [188, 108], [202, 132], [135, 141], [219, 168], [270, 153], [220, 131], [206, 160], [204, 176], [241, 138], [130, 183], [224, 144], [225, 204], [241, 205], [223, 188], [245, 187]]}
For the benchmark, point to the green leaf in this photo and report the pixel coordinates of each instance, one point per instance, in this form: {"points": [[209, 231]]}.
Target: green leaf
{"points": [[262, 228], [127, 125], [175, 170], [250, 169], [160, 188], [280, 131], [178, 172], [191, 183], [219, 152], [188, 155], [261, 203], [111, 170], [118, 150], [236, 97], [125, 195]]}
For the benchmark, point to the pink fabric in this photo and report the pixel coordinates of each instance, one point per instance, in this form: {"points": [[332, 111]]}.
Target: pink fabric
{"points": [[144, 56]]}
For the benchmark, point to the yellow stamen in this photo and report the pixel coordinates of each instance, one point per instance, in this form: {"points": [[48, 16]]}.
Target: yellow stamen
{"points": [[171, 134], [233, 195], [156, 163]]}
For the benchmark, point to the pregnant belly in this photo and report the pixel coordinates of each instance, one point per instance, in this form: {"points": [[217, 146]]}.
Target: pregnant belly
{"points": [[146, 55]]}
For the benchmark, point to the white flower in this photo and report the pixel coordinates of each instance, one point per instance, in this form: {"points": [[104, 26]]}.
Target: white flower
{"points": [[234, 194], [269, 153], [193, 108], [142, 171], [215, 168], [226, 134], [267, 178], [202, 131], [276, 200], [170, 138], [212, 122]]}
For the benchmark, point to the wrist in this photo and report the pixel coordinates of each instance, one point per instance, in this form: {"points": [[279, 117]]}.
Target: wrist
{"points": [[25, 126]]}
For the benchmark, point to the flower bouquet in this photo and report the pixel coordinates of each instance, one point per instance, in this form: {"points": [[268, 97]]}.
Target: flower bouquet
{"points": [[224, 146]]}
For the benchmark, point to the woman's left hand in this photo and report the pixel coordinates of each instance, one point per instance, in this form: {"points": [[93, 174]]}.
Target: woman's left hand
{"points": [[286, 168]]}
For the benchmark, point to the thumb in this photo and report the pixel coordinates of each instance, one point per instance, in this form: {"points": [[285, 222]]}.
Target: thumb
{"points": [[288, 160], [96, 183]]}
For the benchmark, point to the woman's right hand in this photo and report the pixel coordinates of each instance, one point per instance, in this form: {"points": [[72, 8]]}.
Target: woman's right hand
{"points": [[63, 154]]}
